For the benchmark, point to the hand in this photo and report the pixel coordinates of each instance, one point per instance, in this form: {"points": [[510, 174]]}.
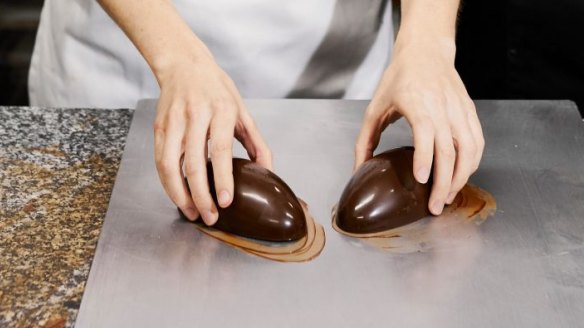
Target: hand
{"points": [[422, 85], [198, 102]]}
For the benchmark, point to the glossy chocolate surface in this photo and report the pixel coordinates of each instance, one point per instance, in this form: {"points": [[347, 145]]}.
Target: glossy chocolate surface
{"points": [[263, 206], [383, 194]]}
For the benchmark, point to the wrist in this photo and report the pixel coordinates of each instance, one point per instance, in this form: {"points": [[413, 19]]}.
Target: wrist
{"points": [[165, 64], [428, 44], [428, 27]]}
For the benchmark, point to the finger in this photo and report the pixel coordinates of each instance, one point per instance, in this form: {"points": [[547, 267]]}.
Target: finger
{"points": [[423, 131], [368, 138], [222, 127], [444, 158], [474, 124], [167, 144], [196, 167], [465, 156], [423, 135], [160, 129], [477, 133], [253, 142], [241, 136]]}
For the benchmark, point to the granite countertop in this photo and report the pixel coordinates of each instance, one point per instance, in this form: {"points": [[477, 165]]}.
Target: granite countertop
{"points": [[57, 170]]}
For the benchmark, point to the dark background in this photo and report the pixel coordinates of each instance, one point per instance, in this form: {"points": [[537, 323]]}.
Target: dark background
{"points": [[507, 49], [18, 24], [522, 49]]}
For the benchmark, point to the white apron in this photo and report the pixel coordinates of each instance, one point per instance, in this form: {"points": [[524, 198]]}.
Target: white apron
{"points": [[271, 49]]}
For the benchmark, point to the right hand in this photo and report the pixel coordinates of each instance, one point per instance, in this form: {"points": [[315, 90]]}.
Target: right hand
{"points": [[422, 84], [198, 101]]}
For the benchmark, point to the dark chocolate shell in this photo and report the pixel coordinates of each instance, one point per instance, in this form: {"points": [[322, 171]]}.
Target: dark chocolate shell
{"points": [[263, 207], [383, 194]]}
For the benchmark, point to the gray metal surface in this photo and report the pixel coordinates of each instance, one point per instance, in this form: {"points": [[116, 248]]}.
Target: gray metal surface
{"points": [[522, 268]]}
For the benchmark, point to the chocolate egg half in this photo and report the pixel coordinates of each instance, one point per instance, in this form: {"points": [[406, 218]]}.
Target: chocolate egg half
{"points": [[263, 205], [383, 194]]}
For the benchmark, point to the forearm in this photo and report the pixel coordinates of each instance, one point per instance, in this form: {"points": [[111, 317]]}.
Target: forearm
{"points": [[159, 33], [428, 21]]}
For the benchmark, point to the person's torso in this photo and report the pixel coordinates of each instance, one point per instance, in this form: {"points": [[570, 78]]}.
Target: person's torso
{"points": [[317, 49]]}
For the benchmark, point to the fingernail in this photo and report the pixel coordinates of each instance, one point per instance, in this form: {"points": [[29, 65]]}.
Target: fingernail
{"points": [[224, 198], [209, 217], [191, 214], [423, 175], [437, 207]]}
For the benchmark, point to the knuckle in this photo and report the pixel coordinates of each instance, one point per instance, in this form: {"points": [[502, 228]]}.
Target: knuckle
{"points": [[441, 191], [194, 112], [472, 114], [470, 105], [201, 200], [159, 126], [467, 147], [164, 165], [435, 97], [191, 168], [361, 147], [223, 180], [480, 143], [476, 167], [251, 126], [471, 150], [263, 154], [183, 205], [226, 121], [423, 124], [460, 180], [222, 104], [370, 115], [248, 123], [401, 99], [458, 186], [220, 147], [376, 111], [446, 152], [422, 120]]}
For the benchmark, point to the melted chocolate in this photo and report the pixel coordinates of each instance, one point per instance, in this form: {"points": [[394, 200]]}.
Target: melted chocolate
{"points": [[455, 226], [304, 249], [383, 194], [263, 207]]}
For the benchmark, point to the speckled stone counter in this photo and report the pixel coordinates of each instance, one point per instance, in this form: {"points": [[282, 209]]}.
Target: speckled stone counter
{"points": [[57, 169]]}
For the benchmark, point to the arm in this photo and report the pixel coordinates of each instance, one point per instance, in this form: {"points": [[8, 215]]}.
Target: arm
{"points": [[422, 84], [197, 101]]}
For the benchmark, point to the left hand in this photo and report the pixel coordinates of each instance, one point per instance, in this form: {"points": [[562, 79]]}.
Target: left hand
{"points": [[422, 85]]}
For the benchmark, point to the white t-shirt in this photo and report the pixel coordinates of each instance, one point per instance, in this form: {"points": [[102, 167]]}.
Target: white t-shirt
{"points": [[271, 49]]}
